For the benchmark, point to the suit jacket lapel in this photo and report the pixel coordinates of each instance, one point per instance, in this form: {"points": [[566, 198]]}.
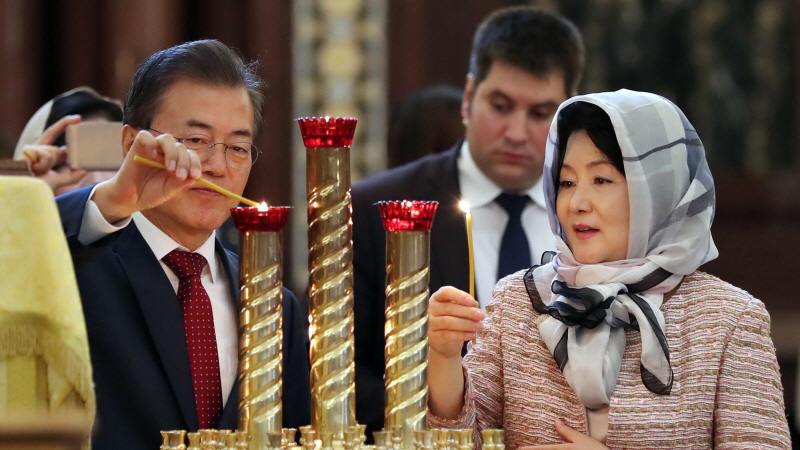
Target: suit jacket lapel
{"points": [[449, 235], [162, 315]]}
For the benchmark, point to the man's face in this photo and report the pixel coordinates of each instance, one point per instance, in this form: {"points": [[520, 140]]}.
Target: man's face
{"points": [[226, 115], [509, 116]]}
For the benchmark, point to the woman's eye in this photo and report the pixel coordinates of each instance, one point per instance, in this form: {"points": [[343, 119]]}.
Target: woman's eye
{"points": [[565, 184], [599, 180]]}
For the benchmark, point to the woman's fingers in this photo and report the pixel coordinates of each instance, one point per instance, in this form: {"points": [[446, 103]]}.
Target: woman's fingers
{"points": [[43, 158], [449, 294], [453, 317], [57, 129]]}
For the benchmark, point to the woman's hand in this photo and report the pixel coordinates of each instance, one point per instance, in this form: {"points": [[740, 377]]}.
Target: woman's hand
{"points": [[453, 317], [45, 160], [576, 440]]}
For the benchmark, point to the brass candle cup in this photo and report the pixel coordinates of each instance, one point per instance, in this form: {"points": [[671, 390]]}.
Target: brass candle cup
{"points": [[408, 225], [260, 321], [330, 264]]}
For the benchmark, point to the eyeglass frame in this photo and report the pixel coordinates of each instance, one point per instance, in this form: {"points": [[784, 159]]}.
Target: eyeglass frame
{"points": [[214, 144]]}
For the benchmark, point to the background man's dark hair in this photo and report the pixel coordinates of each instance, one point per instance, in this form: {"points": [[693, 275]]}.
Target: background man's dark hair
{"points": [[206, 61], [531, 39]]}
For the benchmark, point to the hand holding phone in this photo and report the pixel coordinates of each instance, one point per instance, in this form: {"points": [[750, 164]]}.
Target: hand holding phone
{"points": [[95, 145]]}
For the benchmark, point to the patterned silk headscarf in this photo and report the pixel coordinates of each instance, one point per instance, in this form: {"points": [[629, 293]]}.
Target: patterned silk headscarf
{"points": [[671, 196]]}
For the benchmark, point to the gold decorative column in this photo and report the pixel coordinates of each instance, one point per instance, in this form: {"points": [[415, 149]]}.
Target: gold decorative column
{"points": [[260, 320], [408, 241], [330, 266]]}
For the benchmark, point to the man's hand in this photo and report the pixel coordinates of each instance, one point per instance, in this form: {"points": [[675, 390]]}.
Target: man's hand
{"points": [[453, 317], [45, 160], [137, 186], [576, 440]]}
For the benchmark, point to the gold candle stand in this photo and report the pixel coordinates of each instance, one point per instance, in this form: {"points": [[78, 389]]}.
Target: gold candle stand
{"points": [[330, 264], [260, 321], [408, 238]]}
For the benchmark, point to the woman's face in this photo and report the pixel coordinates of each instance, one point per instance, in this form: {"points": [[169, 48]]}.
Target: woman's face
{"points": [[592, 203]]}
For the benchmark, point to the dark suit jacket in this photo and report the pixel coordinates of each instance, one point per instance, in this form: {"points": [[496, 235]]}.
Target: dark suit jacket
{"points": [[136, 340], [434, 177]]}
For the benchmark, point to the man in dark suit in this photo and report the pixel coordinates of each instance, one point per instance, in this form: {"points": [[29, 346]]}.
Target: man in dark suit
{"points": [[524, 63], [164, 341]]}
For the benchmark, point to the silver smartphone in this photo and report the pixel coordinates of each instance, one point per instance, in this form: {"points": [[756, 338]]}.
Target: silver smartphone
{"points": [[95, 145]]}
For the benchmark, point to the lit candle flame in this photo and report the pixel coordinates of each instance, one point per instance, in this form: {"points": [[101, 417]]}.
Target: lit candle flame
{"points": [[263, 206], [464, 206]]}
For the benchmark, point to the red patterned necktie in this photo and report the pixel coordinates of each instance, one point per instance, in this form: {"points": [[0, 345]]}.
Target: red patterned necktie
{"points": [[201, 340]]}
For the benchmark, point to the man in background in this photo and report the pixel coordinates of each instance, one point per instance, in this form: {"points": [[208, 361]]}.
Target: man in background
{"points": [[159, 292], [524, 62]]}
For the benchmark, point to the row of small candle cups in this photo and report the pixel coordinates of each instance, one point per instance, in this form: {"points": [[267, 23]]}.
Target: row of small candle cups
{"points": [[222, 440], [436, 439]]}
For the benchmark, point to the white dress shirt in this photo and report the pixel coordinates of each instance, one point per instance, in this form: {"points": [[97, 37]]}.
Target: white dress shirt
{"points": [[94, 226], [489, 221]]}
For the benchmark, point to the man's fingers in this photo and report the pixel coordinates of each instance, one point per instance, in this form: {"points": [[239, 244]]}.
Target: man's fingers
{"points": [[172, 154], [145, 145], [57, 129]]}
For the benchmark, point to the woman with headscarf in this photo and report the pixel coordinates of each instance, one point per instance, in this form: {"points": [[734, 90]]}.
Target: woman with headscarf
{"points": [[616, 340], [43, 137]]}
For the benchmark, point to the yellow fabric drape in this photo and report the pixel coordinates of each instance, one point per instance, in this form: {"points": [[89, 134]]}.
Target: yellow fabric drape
{"points": [[44, 351]]}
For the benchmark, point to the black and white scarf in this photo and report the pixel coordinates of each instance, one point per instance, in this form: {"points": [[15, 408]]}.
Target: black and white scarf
{"points": [[671, 194]]}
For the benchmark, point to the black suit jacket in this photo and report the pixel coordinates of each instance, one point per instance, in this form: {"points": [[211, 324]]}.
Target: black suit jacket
{"points": [[434, 177], [136, 339]]}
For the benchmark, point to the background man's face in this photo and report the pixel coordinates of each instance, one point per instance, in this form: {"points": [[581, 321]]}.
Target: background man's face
{"points": [[509, 115], [226, 115]]}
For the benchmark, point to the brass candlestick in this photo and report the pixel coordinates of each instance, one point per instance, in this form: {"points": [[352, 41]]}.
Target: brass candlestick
{"points": [[260, 321], [330, 263], [407, 225]]}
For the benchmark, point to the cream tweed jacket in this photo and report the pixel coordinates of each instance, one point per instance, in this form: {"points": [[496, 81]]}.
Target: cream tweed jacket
{"points": [[726, 393]]}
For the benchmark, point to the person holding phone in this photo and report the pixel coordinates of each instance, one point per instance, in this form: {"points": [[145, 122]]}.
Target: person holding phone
{"points": [[43, 142]]}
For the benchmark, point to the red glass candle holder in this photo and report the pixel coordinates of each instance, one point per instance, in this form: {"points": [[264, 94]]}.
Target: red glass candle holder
{"points": [[333, 132], [252, 219], [407, 215]]}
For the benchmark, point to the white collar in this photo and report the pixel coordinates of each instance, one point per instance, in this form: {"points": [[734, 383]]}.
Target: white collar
{"points": [[478, 190], [161, 244]]}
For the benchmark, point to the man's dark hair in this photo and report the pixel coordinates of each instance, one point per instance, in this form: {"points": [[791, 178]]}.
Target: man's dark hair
{"points": [[207, 61], [534, 40], [587, 116]]}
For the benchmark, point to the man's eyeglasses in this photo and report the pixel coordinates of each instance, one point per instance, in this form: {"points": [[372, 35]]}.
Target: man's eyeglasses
{"points": [[238, 155]]}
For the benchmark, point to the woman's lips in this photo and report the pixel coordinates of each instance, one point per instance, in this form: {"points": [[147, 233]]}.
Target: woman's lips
{"points": [[583, 231]]}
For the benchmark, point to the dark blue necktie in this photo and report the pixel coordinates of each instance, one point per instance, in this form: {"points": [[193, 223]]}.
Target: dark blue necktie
{"points": [[515, 253]]}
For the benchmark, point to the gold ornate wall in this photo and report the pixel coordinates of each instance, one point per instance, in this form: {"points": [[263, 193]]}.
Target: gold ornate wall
{"points": [[339, 69]]}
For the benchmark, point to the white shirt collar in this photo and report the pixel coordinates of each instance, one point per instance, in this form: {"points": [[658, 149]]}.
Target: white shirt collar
{"points": [[161, 244], [478, 190]]}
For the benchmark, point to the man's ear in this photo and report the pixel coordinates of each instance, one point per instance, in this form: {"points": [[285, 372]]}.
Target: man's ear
{"points": [[466, 100], [128, 135]]}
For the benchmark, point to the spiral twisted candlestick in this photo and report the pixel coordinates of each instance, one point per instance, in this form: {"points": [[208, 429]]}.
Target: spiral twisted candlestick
{"points": [[330, 263], [260, 321], [407, 225]]}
